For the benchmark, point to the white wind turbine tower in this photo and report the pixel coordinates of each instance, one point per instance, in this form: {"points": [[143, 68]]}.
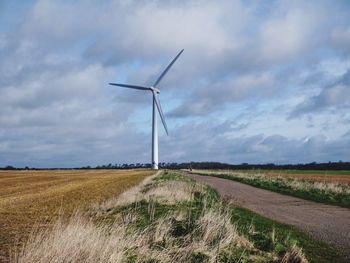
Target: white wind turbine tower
{"points": [[156, 104]]}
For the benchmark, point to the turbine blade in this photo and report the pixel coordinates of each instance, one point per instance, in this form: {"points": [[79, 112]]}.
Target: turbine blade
{"points": [[159, 107], [130, 86], [167, 68]]}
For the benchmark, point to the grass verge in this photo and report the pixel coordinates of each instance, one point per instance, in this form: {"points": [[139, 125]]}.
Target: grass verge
{"points": [[315, 251], [311, 172], [267, 232]]}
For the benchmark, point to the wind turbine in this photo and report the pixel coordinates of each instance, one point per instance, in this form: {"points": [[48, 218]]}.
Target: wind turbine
{"points": [[156, 104]]}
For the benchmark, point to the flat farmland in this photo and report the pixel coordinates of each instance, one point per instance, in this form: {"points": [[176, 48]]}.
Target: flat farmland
{"points": [[342, 177], [37, 198]]}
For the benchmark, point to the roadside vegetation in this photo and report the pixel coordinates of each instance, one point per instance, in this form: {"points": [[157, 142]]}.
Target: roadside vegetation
{"points": [[320, 191], [323, 172], [170, 218]]}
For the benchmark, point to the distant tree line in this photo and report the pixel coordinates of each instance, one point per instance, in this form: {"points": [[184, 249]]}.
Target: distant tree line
{"points": [[269, 166], [209, 165]]}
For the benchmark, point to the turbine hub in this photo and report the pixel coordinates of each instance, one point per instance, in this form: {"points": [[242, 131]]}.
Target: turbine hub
{"points": [[155, 90]]}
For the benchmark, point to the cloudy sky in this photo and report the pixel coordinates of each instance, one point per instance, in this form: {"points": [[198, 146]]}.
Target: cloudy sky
{"points": [[259, 81]]}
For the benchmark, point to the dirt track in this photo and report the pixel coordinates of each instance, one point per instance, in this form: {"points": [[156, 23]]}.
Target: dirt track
{"points": [[330, 224]]}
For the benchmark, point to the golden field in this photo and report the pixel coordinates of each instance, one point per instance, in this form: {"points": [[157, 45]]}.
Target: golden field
{"points": [[36, 198]]}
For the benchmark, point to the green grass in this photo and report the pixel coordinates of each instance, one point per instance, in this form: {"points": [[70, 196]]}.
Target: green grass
{"points": [[282, 186]]}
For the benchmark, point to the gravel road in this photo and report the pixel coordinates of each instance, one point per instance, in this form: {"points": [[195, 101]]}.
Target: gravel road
{"points": [[327, 223]]}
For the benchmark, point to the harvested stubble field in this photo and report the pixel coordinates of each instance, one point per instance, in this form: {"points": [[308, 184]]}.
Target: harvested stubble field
{"points": [[342, 177], [37, 198]]}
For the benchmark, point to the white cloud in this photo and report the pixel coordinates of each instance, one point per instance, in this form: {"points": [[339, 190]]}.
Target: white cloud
{"points": [[290, 33]]}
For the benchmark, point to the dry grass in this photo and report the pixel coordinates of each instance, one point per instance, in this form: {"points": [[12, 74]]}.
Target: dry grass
{"points": [[30, 198], [82, 241], [129, 196], [163, 192], [78, 240], [173, 236]]}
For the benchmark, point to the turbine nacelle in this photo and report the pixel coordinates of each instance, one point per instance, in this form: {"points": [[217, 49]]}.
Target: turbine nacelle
{"points": [[155, 90]]}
